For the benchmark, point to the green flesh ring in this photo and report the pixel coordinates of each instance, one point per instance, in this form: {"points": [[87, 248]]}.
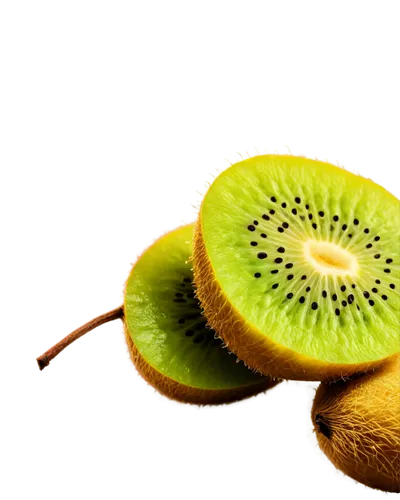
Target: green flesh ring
{"points": [[308, 255], [165, 323]]}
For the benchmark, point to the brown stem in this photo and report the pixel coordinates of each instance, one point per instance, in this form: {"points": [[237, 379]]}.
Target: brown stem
{"points": [[45, 358]]}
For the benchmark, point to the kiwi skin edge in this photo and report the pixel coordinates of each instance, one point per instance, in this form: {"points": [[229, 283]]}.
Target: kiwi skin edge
{"points": [[193, 395], [248, 343]]}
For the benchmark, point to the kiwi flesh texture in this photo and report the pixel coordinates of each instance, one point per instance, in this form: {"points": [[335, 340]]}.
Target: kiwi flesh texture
{"points": [[167, 335], [357, 424], [296, 264]]}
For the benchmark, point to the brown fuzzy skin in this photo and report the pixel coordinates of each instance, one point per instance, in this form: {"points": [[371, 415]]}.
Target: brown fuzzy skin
{"points": [[358, 426], [250, 345], [177, 393], [193, 395]]}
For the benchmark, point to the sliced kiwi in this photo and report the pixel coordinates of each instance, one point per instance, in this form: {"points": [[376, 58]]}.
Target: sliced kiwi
{"points": [[358, 426], [166, 333], [296, 263]]}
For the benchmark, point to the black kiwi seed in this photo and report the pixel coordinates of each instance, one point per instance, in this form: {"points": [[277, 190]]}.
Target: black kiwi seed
{"points": [[285, 225], [281, 250], [378, 282], [294, 211], [314, 306], [280, 229], [253, 243], [356, 222], [307, 207], [278, 260], [337, 312], [302, 217], [377, 256], [384, 297], [320, 213], [262, 255], [374, 290], [297, 199], [310, 216], [350, 298], [335, 218], [314, 226], [265, 217], [358, 307], [302, 300], [274, 271], [289, 295], [366, 295], [353, 285], [386, 270], [366, 230], [344, 303], [180, 301], [304, 277], [289, 266], [324, 294], [343, 288], [273, 199], [257, 275], [179, 294], [308, 289], [251, 228], [350, 235], [284, 205], [187, 280], [369, 245], [290, 277], [389, 261], [272, 212], [392, 286], [334, 297], [255, 222], [263, 235], [344, 227], [377, 238], [274, 286], [371, 302], [331, 227]]}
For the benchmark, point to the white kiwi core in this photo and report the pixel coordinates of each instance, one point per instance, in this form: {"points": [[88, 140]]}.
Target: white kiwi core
{"points": [[330, 259]]}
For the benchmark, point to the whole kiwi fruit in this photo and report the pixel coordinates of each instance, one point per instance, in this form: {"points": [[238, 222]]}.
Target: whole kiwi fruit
{"points": [[357, 423]]}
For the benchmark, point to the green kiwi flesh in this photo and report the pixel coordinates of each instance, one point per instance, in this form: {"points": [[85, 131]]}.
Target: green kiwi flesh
{"points": [[165, 323], [307, 254]]}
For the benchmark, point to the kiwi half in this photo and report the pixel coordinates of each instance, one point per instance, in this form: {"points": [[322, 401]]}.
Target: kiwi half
{"points": [[358, 426], [166, 333], [296, 264]]}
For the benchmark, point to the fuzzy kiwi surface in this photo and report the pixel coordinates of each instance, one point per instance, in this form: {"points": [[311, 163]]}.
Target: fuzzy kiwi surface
{"points": [[166, 333], [357, 423], [296, 264]]}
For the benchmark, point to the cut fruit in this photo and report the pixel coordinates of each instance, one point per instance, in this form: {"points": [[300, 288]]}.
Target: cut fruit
{"points": [[358, 426], [296, 264], [167, 335]]}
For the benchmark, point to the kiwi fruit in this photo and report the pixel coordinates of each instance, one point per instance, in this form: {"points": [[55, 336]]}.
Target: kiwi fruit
{"points": [[296, 264], [165, 336], [165, 325], [357, 423]]}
